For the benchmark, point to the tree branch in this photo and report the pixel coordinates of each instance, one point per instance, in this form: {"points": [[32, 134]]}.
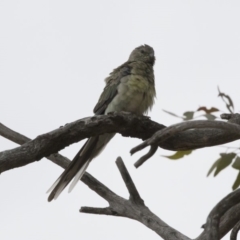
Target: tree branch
{"points": [[54, 141], [144, 158], [191, 126], [227, 222], [21, 139], [235, 231], [133, 208], [126, 124], [222, 218], [212, 225], [134, 195]]}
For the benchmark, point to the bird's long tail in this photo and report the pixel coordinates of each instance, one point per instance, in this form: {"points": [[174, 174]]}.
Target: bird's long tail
{"points": [[79, 164]]}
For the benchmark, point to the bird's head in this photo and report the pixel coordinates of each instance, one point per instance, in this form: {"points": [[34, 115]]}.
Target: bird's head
{"points": [[143, 53]]}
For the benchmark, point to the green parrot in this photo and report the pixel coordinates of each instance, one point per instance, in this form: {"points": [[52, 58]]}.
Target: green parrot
{"points": [[129, 88]]}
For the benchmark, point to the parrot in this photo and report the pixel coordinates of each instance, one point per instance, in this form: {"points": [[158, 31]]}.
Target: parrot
{"points": [[129, 88]]}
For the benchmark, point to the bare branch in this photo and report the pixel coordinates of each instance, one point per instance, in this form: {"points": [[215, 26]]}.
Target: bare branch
{"points": [[12, 135], [144, 158], [232, 118], [126, 124], [211, 229], [100, 211], [99, 188], [134, 195], [235, 231], [227, 222], [128, 208], [21, 139], [52, 142], [166, 133], [229, 104]]}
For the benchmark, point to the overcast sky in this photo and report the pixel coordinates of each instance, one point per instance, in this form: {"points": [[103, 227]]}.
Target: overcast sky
{"points": [[54, 56]]}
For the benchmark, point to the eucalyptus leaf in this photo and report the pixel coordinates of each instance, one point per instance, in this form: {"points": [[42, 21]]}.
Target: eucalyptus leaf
{"points": [[209, 116], [179, 154], [224, 161], [236, 163], [237, 182], [188, 115]]}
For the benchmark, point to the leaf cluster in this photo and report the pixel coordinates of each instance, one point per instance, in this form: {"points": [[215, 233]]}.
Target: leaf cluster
{"points": [[225, 160]]}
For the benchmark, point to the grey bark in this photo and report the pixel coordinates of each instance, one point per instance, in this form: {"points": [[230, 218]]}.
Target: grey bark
{"points": [[126, 124], [223, 217]]}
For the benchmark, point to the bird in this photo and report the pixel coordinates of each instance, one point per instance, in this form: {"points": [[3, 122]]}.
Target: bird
{"points": [[129, 88]]}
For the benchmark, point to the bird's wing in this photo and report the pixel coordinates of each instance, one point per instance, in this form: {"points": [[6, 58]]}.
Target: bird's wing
{"points": [[110, 91], [94, 145]]}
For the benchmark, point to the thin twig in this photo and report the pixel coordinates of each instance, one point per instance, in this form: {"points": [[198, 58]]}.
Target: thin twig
{"points": [[228, 105], [144, 158], [134, 194], [100, 211]]}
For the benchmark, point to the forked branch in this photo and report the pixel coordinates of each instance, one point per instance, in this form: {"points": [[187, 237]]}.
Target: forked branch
{"points": [[133, 207], [223, 218], [231, 127]]}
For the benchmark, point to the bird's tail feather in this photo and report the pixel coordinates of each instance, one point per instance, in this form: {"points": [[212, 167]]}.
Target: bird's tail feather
{"points": [[78, 176], [79, 164]]}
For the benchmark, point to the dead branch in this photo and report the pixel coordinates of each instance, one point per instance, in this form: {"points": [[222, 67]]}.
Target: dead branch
{"points": [[124, 123], [235, 231], [231, 128], [133, 207], [213, 220], [227, 222]]}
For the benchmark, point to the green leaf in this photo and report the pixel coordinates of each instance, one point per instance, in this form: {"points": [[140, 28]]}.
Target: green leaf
{"points": [[209, 116], [224, 161], [179, 154], [212, 167], [208, 111], [237, 182], [173, 114], [236, 163], [188, 115]]}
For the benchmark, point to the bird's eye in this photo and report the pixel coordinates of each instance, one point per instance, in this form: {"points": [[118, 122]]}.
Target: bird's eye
{"points": [[142, 51]]}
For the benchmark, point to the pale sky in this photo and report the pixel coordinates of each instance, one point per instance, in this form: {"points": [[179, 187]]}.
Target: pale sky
{"points": [[54, 56]]}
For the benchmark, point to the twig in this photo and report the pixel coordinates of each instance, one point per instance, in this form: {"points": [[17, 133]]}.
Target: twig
{"points": [[228, 105], [100, 211], [134, 194], [144, 158]]}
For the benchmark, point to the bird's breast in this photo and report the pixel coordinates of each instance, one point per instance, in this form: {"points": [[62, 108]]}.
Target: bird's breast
{"points": [[135, 94]]}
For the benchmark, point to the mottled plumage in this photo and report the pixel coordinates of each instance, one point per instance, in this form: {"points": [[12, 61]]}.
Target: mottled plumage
{"points": [[129, 88]]}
